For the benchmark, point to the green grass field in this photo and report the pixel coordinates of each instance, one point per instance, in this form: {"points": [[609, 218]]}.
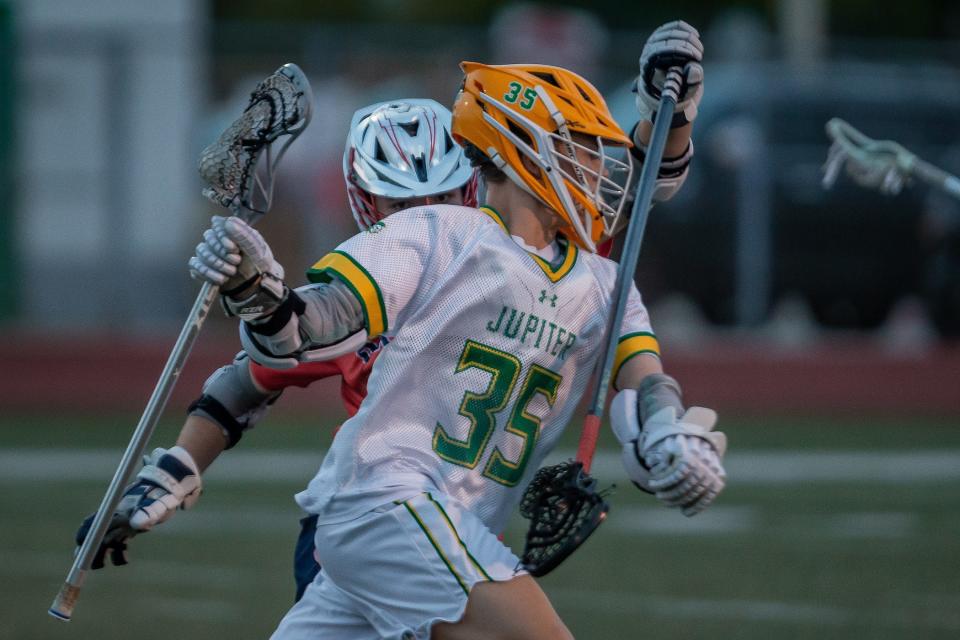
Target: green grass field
{"points": [[828, 529]]}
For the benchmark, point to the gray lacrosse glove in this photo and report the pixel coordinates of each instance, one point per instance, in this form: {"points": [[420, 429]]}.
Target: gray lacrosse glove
{"points": [[675, 44], [236, 258], [679, 460], [169, 480]]}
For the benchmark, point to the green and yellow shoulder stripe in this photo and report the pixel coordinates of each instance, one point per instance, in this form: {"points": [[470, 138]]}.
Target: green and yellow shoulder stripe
{"points": [[342, 265]]}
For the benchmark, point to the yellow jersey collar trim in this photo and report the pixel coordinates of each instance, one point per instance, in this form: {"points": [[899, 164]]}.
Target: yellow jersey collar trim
{"points": [[495, 216], [569, 259], [566, 265]]}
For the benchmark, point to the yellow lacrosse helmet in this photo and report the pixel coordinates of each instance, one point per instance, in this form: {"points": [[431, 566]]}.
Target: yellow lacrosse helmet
{"points": [[511, 111]]}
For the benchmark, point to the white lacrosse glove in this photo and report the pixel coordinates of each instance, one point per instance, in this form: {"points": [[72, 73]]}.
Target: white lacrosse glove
{"points": [[675, 44], [236, 258], [169, 480], [680, 461]]}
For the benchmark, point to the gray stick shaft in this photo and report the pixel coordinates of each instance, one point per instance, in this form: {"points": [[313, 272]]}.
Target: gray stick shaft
{"points": [[638, 223], [937, 177], [62, 606]]}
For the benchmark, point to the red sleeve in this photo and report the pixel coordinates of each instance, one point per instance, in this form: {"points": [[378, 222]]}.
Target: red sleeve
{"points": [[354, 369], [300, 376]]}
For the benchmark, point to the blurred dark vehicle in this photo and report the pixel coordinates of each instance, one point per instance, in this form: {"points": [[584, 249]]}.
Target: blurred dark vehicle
{"points": [[850, 252]]}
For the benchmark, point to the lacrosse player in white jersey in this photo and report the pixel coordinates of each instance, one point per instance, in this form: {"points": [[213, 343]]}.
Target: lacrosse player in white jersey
{"points": [[497, 316], [398, 154]]}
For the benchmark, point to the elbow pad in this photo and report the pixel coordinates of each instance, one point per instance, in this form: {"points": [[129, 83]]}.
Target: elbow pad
{"points": [[318, 322], [232, 400]]}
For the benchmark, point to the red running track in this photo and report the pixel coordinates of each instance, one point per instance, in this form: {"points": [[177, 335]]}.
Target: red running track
{"points": [[101, 374]]}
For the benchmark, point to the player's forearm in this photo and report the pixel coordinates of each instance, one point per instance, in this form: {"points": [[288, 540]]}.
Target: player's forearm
{"points": [[675, 165], [634, 370], [655, 390], [677, 141], [203, 439]]}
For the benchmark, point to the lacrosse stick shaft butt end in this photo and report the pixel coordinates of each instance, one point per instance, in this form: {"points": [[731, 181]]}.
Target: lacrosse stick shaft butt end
{"points": [[63, 604], [588, 441]]}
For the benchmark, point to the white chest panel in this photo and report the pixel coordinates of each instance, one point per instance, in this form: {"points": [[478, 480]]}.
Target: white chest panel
{"points": [[492, 351]]}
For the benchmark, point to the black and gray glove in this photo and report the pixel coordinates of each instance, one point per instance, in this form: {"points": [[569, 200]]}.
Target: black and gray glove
{"points": [[675, 44]]}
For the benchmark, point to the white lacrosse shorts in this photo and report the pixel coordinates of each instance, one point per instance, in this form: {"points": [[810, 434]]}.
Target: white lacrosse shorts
{"points": [[397, 570]]}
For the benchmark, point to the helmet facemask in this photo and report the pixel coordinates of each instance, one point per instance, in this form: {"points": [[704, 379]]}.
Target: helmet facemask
{"points": [[589, 181]]}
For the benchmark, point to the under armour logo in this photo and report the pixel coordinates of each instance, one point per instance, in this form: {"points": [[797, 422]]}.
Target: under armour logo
{"points": [[544, 297]]}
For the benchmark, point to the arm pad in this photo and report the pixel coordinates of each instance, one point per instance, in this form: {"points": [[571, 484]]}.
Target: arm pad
{"points": [[323, 315], [658, 391], [672, 172]]}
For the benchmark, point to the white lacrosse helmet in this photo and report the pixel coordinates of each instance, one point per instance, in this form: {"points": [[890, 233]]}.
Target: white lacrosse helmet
{"points": [[403, 149]]}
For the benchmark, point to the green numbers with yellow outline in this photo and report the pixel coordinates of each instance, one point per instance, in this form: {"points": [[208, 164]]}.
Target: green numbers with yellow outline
{"points": [[479, 407], [521, 423], [529, 95], [480, 410]]}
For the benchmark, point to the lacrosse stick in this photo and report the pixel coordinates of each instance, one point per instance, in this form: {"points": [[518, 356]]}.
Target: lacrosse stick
{"points": [[279, 107], [879, 164], [562, 502]]}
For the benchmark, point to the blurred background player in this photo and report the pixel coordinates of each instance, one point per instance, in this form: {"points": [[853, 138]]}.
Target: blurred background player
{"points": [[398, 154], [414, 489]]}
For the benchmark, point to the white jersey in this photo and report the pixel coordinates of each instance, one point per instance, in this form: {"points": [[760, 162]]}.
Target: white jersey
{"points": [[493, 348]]}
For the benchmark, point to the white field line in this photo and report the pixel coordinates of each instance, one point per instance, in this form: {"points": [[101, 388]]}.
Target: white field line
{"points": [[210, 520], [779, 467], [638, 606], [657, 521], [756, 467], [720, 519]]}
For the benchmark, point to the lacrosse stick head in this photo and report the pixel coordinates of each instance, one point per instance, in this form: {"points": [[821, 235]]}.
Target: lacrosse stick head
{"points": [[564, 507], [875, 164], [279, 108]]}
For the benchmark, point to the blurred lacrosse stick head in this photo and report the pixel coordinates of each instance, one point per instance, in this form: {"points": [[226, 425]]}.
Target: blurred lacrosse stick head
{"points": [[874, 164], [279, 107]]}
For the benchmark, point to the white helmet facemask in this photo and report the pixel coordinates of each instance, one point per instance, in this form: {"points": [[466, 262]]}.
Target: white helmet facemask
{"points": [[569, 163]]}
